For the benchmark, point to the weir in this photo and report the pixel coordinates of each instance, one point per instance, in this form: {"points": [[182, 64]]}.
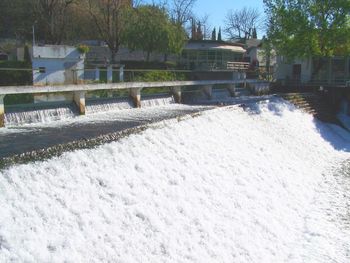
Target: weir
{"points": [[79, 91]]}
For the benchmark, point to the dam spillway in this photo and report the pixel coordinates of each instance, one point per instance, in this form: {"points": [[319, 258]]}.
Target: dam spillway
{"points": [[251, 184]]}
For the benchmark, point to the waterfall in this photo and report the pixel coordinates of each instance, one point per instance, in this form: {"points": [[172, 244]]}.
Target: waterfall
{"points": [[38, 113], [253, 184], [110, 104], [156, 100]]}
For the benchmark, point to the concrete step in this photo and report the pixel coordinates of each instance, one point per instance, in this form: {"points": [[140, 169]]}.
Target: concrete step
{"points": [[313, 104]]}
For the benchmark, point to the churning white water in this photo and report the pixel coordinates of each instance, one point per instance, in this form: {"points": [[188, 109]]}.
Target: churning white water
{"points": [[227, 186], [32, 114], [153, 101], [98, 106], [20, 117]]}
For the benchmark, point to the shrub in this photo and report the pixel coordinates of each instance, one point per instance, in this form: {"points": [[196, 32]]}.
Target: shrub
{"points": [[83, 49], [21, 76], [159, 75]]}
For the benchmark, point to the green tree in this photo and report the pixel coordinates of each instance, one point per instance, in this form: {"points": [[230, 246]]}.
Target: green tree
{"points": [[16, 19], [150, 29], [213, 34], [316, 28], [255, 34], [108, 18], [239, 24], [219, 35], [52, 16]]}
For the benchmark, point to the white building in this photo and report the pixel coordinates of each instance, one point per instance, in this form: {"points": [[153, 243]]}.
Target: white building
{"points": [[335, 70], [57, 65]]}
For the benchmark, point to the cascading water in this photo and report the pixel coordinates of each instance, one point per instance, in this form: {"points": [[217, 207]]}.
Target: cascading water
{"points": [[232, 185], [104, 105], [39, 114], [156, 100], [52, 112]]}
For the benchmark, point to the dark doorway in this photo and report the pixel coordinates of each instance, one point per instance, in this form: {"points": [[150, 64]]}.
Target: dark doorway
{"points": [[297, 72]]}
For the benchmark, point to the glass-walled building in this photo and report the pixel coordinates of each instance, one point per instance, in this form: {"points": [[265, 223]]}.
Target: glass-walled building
{"points": [[208, 54]]}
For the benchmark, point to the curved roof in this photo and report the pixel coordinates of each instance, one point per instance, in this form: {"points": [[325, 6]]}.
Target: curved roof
{"points": [[214, 45]]}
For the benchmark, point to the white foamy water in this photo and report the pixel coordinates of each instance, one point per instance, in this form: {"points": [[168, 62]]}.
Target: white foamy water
{"points": [[108, 105], [65, 113], [156, 101], [39, 116], [227, 186]]}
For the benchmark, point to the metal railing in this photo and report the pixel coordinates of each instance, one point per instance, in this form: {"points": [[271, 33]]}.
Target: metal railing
{"points": [[238, 65], [43, 76]]}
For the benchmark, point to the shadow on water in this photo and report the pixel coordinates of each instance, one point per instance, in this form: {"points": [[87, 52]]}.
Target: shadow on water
{"points": [[336, 135]]}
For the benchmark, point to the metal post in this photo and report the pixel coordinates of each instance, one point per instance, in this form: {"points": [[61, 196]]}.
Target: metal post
{"points": [[33, 35]]}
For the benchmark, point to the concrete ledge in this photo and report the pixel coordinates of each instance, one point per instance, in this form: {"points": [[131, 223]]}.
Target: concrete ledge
{"points": [[208, 91], [135, 94], [79, 99], [176, 91], [113, 86], [231, 89]]}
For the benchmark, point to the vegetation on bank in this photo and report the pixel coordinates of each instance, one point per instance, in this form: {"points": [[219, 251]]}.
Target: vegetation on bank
{"points": [[305, 29], [148, 27]]}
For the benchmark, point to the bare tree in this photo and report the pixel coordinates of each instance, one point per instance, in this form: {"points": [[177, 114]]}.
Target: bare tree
{"points": [[107, 16], [203, 23], [52, 18], [181, 11], [240, 24]]}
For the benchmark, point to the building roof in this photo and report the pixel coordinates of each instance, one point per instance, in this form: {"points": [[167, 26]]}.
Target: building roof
{"points": [[253, 42], [214, 45]]}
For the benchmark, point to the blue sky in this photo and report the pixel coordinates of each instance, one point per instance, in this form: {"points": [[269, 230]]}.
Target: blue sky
{"points": [[217, 9]]}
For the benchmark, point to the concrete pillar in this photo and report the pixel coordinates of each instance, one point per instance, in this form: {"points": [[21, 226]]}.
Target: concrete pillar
{"points": [[79, 99], [97, 74], [2, 111], [176, 91], [109, 74], [135, 94], [232, 89], [235, 75], [208, 90], [121, 73]]}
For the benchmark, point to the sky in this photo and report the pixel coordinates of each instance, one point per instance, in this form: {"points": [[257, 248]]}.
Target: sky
{"points": [[217, 9]]}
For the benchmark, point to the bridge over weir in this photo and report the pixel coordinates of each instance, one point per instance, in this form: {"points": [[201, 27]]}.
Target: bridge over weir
{"points": [[79, 91]]}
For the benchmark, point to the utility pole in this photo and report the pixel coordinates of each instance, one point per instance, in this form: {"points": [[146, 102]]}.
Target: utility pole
{"points": [[33, 35], [33, 27]]}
